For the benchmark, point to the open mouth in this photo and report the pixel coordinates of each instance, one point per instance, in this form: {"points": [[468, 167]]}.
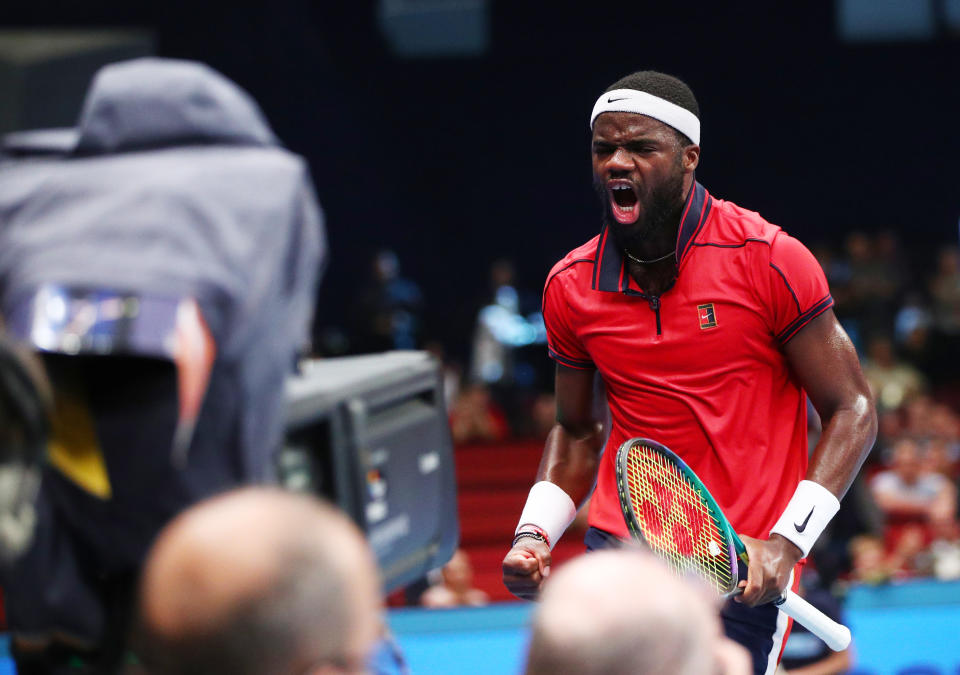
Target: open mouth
{"points": [[623, 201]]}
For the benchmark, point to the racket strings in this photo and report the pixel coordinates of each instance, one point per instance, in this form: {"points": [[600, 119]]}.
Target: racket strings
{"points": [[676, 520]]}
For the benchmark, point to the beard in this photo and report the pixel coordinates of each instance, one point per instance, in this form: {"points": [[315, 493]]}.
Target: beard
{"points": [[659, 217]]}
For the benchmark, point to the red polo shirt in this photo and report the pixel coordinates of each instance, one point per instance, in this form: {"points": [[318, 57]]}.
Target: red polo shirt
{"points": [[701, 368]]}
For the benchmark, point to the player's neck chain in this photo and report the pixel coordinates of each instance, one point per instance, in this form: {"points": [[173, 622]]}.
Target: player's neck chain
{"points": [[648, 262]]}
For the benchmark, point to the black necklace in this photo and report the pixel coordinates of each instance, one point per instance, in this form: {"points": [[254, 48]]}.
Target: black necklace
{"points": [[648, 262]]}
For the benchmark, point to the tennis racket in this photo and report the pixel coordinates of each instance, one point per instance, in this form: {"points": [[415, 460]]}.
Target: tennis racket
{"points": [[668, 508]]}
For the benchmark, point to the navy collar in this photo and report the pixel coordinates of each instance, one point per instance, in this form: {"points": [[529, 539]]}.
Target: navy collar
{"points": [[609, 271]]}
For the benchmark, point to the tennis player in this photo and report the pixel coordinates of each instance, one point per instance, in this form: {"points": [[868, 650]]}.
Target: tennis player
{"points": [[709, 326]]}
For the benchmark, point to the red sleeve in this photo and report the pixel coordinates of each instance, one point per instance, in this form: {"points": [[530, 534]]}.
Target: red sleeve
{"points": [[563, 343], [798, 287]]}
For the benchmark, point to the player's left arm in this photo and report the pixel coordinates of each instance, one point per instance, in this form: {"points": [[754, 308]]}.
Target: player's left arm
{"points": [[824, 360]]}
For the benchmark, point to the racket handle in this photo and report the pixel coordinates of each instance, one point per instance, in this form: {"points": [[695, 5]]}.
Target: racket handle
{"points": [[835, 635]]}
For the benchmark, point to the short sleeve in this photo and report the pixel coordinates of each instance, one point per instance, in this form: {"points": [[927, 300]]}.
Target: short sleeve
{"points": [[798, 288], [563, 344]]}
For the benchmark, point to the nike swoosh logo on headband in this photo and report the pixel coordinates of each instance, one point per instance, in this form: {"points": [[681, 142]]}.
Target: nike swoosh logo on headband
{"points": [[801, 528], [622, 98]]}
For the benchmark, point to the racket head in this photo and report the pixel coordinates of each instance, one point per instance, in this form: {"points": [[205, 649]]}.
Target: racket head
{"points": [[668, 508]]}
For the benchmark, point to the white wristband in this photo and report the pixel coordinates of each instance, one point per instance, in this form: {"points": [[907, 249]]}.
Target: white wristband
{"points": [[550, 509], [808, 513]]}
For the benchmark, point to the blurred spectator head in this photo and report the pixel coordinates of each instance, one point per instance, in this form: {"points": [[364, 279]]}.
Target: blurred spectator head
{"points": [[880, 351], [892, 380], [912, 325], [620, 612], [476, 417], [939, 457], [458, 572], [945, 288], [502, 273], [890, 424], [944, 423], [906, 460], [456, 588], [887, 245], [868, 560], [909, 544], [476, 397], [919, 413], [386, 265], [259, 581], [948, 263], [859, 247]]}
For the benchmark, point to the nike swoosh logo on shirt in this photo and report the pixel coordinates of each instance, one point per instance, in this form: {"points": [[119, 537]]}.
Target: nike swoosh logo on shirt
{"points": [[801, 528]]}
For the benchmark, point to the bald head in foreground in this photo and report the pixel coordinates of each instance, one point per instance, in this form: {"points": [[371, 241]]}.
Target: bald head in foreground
{"points": [[259, 581], [621, 612]]}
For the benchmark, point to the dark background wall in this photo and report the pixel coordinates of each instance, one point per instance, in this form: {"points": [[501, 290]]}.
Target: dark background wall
{"points": [[453, 162]]}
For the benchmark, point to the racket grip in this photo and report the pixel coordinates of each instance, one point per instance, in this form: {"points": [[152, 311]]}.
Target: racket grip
{"points": [[835, 635]]}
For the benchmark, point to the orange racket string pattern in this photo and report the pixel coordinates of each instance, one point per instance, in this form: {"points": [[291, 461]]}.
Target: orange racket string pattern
{"points": [[675, 520]]}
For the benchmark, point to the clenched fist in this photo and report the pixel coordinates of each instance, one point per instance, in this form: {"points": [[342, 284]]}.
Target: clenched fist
{"points": [[526, 566]]}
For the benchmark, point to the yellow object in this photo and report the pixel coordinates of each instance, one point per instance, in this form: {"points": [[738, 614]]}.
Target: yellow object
{"points": [[74, 449]]}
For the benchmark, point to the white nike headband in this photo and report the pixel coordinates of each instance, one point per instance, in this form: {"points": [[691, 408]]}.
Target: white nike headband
{"points": [[642, 103]]}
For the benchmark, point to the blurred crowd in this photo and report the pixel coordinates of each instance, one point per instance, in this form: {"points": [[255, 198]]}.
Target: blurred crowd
{"points": [[498, 379], [901, 518]]}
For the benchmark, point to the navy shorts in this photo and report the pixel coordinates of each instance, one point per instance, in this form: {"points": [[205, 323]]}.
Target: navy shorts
{"points": [[760, 630]]}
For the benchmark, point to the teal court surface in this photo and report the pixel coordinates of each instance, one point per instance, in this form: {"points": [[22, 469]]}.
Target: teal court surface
{"points": [[910, 628]]}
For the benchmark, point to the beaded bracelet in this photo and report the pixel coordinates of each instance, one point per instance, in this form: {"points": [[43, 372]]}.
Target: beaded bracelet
{"points": [[530, 535]]}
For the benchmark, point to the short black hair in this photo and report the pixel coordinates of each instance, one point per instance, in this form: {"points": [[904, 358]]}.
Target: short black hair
{"points": [[663, 86]]}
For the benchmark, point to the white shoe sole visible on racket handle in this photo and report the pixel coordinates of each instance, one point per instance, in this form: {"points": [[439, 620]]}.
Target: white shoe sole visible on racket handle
{"points": [[835, 635]]}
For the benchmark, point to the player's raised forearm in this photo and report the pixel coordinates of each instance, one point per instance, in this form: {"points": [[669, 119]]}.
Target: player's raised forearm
{"points": [[572, 451], [567, 471], [571, 457]]}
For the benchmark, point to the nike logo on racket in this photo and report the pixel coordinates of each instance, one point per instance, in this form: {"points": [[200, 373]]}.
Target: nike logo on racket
{"points": [[801, 528]]}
